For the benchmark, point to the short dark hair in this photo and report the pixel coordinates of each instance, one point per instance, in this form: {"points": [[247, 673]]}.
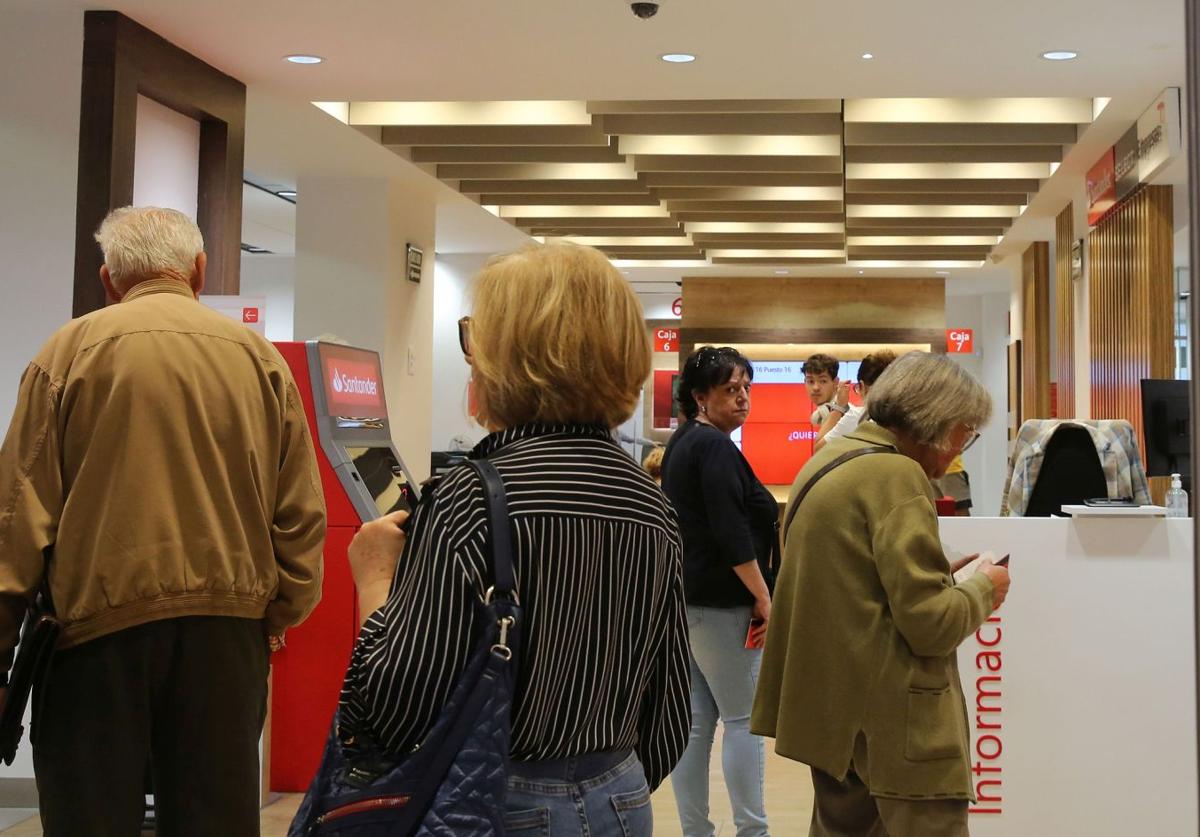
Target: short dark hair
{"points": [[705, 368], [821, 365], [872, 365]]}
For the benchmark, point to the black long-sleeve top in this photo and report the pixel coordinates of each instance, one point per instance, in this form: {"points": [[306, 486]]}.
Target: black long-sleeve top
{"points": [[726, 516], [604, 656]]}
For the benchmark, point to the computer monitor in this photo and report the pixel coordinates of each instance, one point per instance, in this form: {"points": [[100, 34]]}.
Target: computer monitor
{"points": [[1166, 417]]}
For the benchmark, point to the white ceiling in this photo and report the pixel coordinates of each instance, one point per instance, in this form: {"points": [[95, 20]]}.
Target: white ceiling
{"points": [[596, 49]]}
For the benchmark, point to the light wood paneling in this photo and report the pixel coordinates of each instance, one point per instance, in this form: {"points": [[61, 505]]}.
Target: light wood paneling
{"points": [[1130, 311], [834, 303], [1064, 302], [1035, 337]]}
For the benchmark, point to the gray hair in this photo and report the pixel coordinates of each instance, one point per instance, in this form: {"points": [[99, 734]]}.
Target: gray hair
{"points": [[926, 396], [141, 242]]}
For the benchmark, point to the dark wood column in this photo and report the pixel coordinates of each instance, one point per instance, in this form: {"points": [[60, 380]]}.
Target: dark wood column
{"points": [[122, 59]]}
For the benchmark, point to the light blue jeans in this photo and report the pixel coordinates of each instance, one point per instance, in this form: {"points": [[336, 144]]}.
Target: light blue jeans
{"points": [[593, 795], [724, 677]]}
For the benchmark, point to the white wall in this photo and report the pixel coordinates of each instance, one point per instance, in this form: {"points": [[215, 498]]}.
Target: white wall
{"points": [[41, 56], [273, 277], [987, 460], [452, 283], [166, 158], [350, 283]]}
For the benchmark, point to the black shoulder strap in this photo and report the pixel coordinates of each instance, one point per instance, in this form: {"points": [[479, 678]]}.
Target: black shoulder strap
{"points": [[844, 458], [499, 533]]}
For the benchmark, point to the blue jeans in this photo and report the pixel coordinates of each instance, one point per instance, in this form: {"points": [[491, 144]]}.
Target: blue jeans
{"points": [[596, 795], [724, 677]]}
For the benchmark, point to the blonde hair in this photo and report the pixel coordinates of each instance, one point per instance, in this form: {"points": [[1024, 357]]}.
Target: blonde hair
{"points": [[557, 335], [142, 242], [652, 464], [926, 396]]}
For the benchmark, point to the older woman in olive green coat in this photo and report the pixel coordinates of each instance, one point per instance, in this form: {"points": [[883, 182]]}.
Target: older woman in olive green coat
{"points": [[859, 677]]}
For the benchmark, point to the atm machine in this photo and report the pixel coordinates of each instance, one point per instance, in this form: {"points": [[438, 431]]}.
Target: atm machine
{"points": [[363, 477]]}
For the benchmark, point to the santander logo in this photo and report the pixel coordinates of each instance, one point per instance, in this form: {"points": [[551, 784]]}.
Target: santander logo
{"points": [[353, 385]]}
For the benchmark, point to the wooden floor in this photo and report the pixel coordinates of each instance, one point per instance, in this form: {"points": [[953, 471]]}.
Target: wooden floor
{"points": [[789, 804]]}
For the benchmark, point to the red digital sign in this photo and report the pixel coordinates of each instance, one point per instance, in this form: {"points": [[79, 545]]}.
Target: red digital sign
{"points": [[777, 450], [960, 341], [1102, 187], [666, 340], [353, 382]]}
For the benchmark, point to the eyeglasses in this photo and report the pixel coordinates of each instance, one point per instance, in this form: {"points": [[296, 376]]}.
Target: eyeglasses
{"points": [[464, 335], [971, 439]]}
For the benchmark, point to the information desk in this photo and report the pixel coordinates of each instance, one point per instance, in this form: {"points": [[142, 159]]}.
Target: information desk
{"points": [[1081, 689]]}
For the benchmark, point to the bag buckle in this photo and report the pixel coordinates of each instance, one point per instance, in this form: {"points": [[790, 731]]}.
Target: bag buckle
{"points": [[501, 647]]}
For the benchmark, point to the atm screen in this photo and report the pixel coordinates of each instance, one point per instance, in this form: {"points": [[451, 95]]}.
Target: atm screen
{"points": [[353, 382], [383, 477]]}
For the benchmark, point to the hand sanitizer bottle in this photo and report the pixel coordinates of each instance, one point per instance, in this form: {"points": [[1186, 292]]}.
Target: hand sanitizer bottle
{"points": [[1177, 499]]}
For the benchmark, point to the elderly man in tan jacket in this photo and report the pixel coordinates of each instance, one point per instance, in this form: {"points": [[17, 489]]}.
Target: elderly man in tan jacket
{"points": [[159, 478], [859, 677]]}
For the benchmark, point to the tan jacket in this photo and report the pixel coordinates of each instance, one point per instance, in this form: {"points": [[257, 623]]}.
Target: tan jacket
{"points": [[160, 457], [866, 620]]}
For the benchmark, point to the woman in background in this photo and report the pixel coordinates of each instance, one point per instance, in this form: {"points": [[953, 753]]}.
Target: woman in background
{"points": [[729, 523]]}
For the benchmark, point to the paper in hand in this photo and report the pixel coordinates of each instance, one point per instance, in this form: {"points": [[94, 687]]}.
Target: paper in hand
{"points": [[969, 570]]}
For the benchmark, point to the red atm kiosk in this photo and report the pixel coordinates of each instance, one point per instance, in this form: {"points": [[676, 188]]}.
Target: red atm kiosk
{"points": [[363, 477]]}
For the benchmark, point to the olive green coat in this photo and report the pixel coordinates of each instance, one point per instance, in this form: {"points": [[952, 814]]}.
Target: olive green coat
{"points": [[864, 627]]}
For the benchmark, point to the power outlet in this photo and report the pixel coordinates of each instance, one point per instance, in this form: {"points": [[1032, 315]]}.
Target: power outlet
{"points": [[412, 361]]}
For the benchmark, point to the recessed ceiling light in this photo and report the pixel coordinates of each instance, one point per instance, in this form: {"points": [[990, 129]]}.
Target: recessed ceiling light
{"points": [[867, 56], [678, 58], [1060, 55], [942, 272], [860, 273], [781, 273], [286, 193], [303, 59]]}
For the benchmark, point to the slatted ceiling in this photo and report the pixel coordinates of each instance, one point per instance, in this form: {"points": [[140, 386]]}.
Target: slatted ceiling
{"points": [[868, 133], [516, 154], [684, 106], [956, 185], [902, 181], [734, 163], [954, 153]]}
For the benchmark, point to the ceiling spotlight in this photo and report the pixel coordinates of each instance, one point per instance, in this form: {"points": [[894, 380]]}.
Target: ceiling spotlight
{"points": [[303, 59], [1060, 55], [867, 56], [860, 273], [287, 193], [781, 273], [678, 58]]}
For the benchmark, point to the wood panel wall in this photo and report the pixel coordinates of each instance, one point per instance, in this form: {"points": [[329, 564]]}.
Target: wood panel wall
{"points": [[743, 309], [1035, 336], [122, 59], [1064, 313], [1130, 311]]}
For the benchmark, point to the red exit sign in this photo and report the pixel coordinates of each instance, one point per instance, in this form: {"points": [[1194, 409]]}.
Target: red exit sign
{"points": [[960, 341]]}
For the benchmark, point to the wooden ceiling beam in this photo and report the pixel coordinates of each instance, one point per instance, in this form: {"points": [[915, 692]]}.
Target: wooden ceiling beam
{"points": [[493, 135], [937, 133]]}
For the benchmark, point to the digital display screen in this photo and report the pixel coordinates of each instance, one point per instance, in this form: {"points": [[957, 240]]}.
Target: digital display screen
{"points": [[383, 478], [353, 382]]}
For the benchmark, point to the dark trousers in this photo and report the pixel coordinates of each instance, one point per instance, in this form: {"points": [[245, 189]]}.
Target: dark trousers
{"points": [[179, 700], [847, 809]]}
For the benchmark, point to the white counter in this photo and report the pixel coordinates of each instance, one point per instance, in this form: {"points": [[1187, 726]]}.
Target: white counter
{"points": [[1081, 692]]}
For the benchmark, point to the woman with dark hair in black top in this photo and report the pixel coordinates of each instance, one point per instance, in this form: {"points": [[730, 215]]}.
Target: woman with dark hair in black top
{"points": [[728, 521]]}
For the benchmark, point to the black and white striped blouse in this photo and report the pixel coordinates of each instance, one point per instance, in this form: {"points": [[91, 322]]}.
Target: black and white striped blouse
{"points": [[604, 657]]}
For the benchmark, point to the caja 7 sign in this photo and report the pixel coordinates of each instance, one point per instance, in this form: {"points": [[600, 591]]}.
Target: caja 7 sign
{"points": [[960, 341]]}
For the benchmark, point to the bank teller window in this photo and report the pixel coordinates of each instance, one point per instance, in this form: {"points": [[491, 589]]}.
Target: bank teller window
{"points": [[383, 478]]}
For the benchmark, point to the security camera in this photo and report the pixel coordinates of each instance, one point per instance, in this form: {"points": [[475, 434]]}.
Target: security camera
{"points": [[644, 10]]}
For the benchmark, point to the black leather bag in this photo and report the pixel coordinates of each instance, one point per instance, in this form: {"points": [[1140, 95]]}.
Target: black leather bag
{"points": [[39, 636], [454, 784]]}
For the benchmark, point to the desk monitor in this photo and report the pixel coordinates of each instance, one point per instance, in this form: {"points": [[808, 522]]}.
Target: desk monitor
{"points": [[1166, 416]]}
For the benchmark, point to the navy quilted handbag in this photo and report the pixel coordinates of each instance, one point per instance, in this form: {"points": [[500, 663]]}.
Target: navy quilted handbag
{"points": [[454, 783]]}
